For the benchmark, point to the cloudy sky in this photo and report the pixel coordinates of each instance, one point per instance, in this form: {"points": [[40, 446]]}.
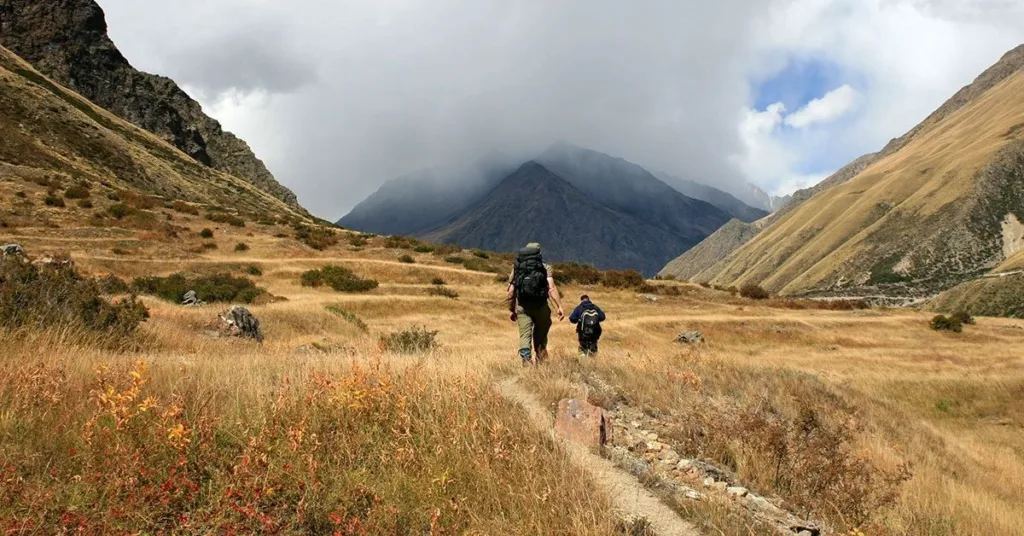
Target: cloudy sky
{"points": [[337, 96]]}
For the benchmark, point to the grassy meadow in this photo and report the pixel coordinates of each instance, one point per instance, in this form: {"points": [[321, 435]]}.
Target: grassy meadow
{"points": [[863, 419]]}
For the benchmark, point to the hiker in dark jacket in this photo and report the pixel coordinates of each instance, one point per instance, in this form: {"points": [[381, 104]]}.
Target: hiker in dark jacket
{"points": [[530, 288], [588, 317]]}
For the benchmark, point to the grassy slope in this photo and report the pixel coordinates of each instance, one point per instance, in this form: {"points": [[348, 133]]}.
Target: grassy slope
{"points": [[832, 236], [49, 131]]}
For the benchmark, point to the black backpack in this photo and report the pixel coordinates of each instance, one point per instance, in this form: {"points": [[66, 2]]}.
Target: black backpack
{"points": [[530, 278], [590, 326]]}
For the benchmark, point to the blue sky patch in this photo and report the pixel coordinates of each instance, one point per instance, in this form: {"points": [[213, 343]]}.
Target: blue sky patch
{"points": [[801, 81]]}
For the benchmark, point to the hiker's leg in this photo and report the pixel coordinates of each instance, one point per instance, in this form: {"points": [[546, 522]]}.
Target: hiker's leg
{"points": [[541, 326], [525, 333]]}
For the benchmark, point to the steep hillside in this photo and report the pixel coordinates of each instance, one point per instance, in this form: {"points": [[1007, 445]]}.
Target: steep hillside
{"points": [[68, 42], [535, 205], [711, 250], [419, 203], [702, 192], [55, 137], [923, 215]]}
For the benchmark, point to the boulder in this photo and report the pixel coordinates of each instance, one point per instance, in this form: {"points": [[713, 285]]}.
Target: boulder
{"points": [[191, 299], [581, 422], [690, 337], [239, 322], [12, 250]]}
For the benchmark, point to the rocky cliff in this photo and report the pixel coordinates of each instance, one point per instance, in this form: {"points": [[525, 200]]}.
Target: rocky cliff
{"points": [[67, 41]]}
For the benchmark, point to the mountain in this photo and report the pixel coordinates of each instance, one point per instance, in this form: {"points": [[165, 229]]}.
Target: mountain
{"points": [[926, 213], [53, 137], [533, 204], [67, 41], [757, 197], [420, 202], [710, 251], [702, 192]]}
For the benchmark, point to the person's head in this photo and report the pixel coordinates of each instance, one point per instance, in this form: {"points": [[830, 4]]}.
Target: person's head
{"points": [[584, 298]]}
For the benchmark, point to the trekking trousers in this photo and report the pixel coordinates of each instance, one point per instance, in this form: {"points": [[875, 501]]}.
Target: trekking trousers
{"points": [[588, 346], [534, 323]]}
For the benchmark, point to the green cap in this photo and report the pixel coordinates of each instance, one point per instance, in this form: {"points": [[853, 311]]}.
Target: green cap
{"points": [[533, 245]]}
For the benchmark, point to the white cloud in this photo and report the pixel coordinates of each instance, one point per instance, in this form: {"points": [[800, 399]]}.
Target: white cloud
{"points": [[832, 106]]}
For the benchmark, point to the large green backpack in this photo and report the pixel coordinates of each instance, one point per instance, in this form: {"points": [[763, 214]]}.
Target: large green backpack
{"points": [[530, 277]]}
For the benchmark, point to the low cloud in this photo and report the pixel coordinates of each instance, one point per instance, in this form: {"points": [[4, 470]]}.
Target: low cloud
{"points": [[826, 109]]}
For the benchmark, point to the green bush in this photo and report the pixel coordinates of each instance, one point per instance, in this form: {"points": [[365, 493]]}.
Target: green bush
{"points": [[230, 219], [423, 249], [84, 203], [76, 192], [439, 290], [42, 297], [318, 238], [206, 233], [410, 341], [481, 254], [754, 292], [112, 284], [454, 259], [52, 200], [20, 195], [120, 211], [567, 273], [241, 246], [357, 241], [113, 197], [407, 259], [963, 317], [210, 288], [438, 281], [443, 250], [944, 323], [184, 208], [400, 242], [338, 278], [622, 279], [348, 316], [480, 265], [252, 269]]}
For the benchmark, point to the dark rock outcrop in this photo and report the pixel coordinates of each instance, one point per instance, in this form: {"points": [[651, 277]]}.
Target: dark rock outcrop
{"points": [[67, 41]]}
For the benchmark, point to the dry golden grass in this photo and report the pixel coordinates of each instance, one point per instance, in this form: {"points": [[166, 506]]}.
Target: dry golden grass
{"points": [[440, 446]]}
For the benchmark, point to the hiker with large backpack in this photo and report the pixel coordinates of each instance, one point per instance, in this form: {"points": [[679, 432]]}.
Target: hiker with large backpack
{"points": [[529, 289], [588, 317]]}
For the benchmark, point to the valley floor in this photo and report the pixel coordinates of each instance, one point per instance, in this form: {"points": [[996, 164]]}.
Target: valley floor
{"points": [[862, 419]]}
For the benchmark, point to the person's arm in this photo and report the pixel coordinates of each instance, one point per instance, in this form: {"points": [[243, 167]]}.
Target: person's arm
{"points": [[511, 298], [556, 297], [576, 313]]}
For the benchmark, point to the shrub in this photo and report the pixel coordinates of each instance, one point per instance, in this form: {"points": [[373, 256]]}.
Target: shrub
{"points": [[567, 273], [338, 278], [439, 290], [112, 284], [423, 249], [113, 197], [481, 254], [963, 317], [410, 341], [137, 200], [622, 279], [184, 208], [705, 284], [480, 265], [210, 288], [206, 233], [454, 259], [41, 297], [209, 245], [318, 238], [437, 281], [241, 246], [944, 323], [119, 251], [84, 203], [400, 242], [443, 250], [120, 211], [252, 269], [52, 200], [76, 192], [20, 195], [348, 316], [407, 259], [754, 292], [230, 219], [357, 241]]}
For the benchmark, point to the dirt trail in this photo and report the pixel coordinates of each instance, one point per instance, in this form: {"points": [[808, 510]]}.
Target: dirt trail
{"points": [[628, 495]]}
